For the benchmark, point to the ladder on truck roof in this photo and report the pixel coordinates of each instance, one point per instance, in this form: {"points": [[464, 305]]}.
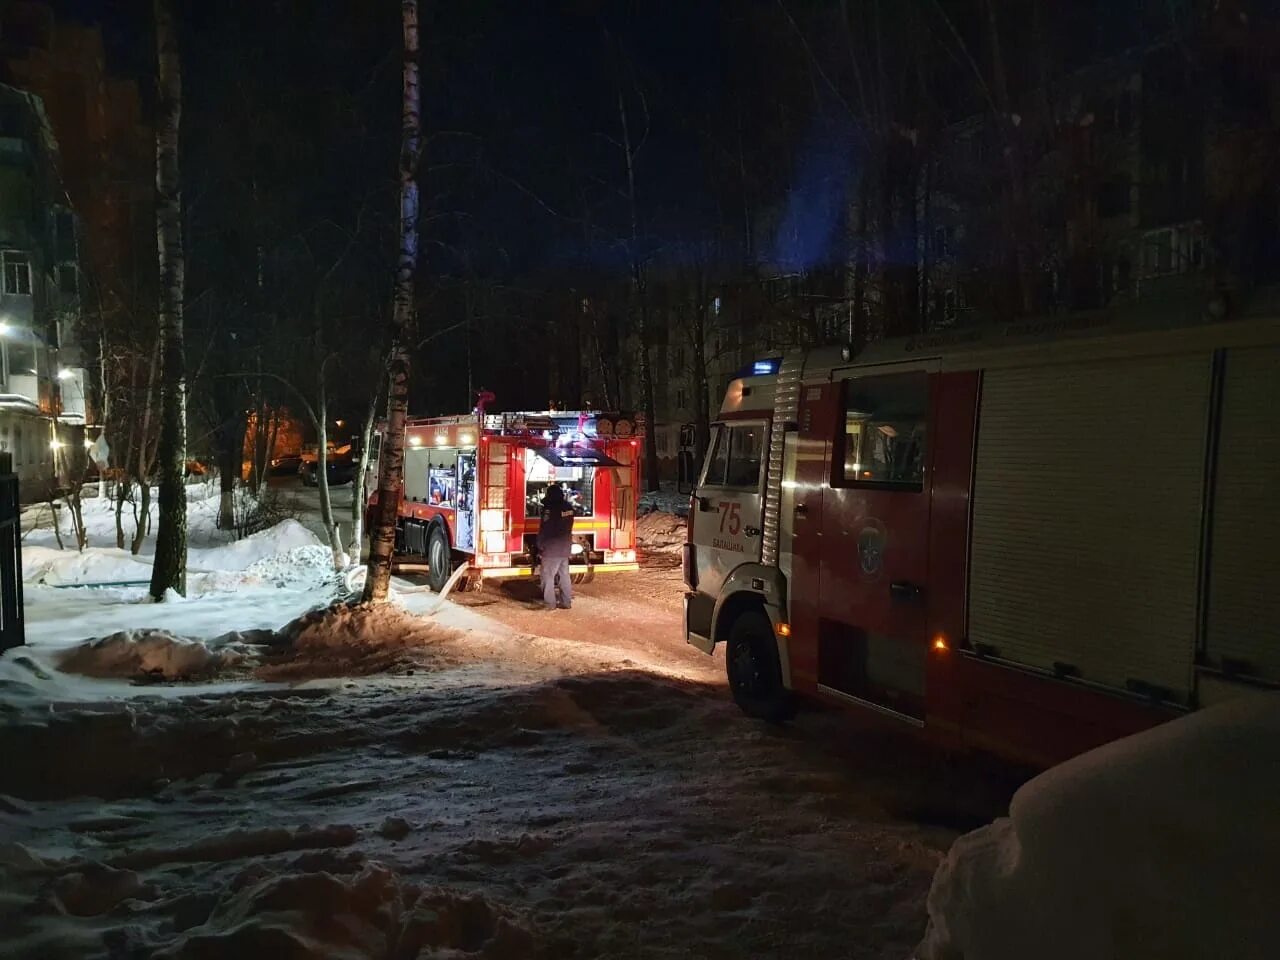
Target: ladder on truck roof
{"points": [[460, 419], [525, 421]]}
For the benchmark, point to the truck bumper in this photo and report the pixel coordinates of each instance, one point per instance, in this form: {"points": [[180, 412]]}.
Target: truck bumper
{"points": [[511, 573], [691, 636]]}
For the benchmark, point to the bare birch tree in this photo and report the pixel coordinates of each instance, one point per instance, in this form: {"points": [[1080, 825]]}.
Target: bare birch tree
{"points": [[630, 145], [170, 567], [358, 491], [391, 456]]}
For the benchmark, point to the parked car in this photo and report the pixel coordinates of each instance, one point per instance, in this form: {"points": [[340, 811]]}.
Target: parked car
{"points": [[283, 466], [340, 471]]}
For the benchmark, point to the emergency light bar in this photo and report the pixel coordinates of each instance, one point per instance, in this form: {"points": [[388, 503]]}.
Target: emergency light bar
{"points": [[763, 368]]}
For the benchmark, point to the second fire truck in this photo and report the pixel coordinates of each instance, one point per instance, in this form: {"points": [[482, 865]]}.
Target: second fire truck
{"points": [[473, 485]]}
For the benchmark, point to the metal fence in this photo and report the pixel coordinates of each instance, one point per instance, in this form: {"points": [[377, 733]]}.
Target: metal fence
{"points": [[12, 633]]}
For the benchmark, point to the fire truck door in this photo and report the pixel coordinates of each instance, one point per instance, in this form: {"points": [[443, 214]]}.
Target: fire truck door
{"points": [[873, 588], [726, 521]]}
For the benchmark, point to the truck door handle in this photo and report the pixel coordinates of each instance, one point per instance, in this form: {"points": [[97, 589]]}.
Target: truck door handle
{"points": [[704, 504], [751, 531], [905, 591], [802, 510]]}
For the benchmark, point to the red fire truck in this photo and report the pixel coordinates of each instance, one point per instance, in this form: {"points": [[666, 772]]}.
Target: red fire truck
{"points": [[473, 485], [1029, 539]]}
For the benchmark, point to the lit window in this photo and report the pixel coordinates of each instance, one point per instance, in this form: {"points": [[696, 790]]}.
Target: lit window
{"points": [[715, 306], [17, 273]]}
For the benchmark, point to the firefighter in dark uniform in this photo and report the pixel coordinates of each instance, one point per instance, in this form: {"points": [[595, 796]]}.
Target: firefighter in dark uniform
{"points": [[555, 537]]}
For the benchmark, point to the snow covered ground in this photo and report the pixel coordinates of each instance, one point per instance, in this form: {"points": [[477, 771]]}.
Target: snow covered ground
{"points": [[231, 775], [1161, 845]]}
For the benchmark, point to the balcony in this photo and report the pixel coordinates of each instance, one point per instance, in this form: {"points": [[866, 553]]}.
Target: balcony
{"points": [[26, 391], [71, 387]]}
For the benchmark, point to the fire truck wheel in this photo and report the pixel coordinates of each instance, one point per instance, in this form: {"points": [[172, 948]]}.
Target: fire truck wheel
{"points": [[439, 560], [755, 675]]}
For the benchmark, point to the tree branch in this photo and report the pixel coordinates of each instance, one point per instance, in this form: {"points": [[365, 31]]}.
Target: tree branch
{"points": [[247, 374]]}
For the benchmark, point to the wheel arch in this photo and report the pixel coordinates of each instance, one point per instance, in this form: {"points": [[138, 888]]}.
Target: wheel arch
{"points": [[443, 524], [753, 586]]}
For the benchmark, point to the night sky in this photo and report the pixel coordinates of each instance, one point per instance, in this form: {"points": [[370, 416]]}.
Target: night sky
{"points": [[520, 96], [291, 135]]}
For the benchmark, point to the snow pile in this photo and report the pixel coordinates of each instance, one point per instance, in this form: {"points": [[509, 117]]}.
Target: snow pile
{"points": [[148, 653], [347, 640], [97, 889], [27, 684], [70, 567], [659, 532], [373, 914], [285, 536], [285, 553], [338, 641], [1160, 845], [666, 500], [307, 563]]}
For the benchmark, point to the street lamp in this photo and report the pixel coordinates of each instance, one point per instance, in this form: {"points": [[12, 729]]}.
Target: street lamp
{"points": [[65, 374]]}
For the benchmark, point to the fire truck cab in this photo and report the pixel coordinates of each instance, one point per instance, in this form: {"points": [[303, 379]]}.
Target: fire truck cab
{"points": [[473, 486], [1029, 539]]}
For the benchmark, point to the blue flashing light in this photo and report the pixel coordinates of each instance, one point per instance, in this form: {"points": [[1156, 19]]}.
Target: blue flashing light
{"points": [[765, 368]]}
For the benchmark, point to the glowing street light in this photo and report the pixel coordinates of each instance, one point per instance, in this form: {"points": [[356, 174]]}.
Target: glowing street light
{"points": [[65, 374]]}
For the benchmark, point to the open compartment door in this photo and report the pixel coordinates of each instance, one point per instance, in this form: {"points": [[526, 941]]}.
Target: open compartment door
{"points": [[622, 506]]}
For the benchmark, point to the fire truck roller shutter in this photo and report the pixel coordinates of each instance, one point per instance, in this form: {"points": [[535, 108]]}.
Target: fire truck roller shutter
{"points": [[1087, 495], [1242, 635]]}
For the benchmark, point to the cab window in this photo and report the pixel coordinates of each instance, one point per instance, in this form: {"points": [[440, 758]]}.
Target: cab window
{"points": [[885, 421], [718, 458], [737, 452]]}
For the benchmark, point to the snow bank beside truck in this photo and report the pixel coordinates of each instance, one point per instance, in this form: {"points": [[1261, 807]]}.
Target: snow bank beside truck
{"points": [[1161, 845]]}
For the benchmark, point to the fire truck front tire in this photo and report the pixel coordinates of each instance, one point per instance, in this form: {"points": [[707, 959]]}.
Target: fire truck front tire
{"points": [[439, 559], [755, 673]]}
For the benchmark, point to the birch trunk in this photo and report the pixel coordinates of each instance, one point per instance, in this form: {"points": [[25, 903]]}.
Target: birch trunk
{"points": [[322, 472], [391, 458], [701, 381], [257, 478], [146, 456], [357, 485], [124, 482], [169, 571], [106, 410], [650, 473]]}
